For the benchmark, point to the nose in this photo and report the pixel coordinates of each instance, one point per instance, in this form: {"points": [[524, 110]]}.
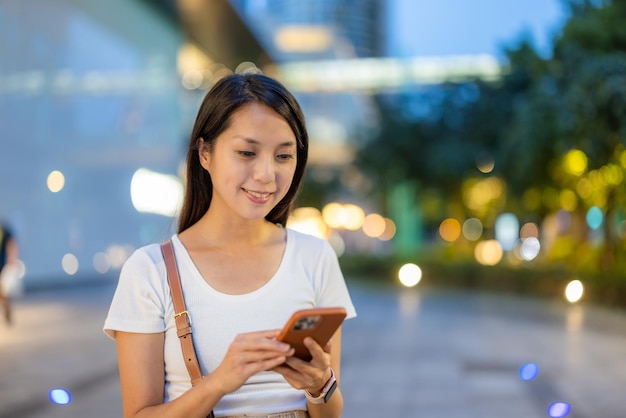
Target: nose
{"points": [[264, 170]]}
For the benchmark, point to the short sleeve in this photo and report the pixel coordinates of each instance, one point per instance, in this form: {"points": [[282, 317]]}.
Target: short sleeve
{"points": [[333, 290], [139, 301]]}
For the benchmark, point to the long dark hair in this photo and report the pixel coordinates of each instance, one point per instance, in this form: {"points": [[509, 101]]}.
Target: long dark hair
{"points": [[214, 116]]}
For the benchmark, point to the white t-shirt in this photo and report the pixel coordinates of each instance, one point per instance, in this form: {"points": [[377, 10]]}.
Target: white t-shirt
{"points": [[308, 276]]}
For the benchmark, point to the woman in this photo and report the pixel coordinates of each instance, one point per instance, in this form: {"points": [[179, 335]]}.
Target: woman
{"points": [[243, 273]]}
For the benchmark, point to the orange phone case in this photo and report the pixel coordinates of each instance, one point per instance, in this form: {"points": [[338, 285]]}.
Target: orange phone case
{"points": [[317, 323]]}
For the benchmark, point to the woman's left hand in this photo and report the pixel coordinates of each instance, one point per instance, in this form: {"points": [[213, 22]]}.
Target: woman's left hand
{"points": [[311, 375]]}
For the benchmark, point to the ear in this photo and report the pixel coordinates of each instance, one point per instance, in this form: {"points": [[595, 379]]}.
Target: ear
{"points": [[203, 153]]}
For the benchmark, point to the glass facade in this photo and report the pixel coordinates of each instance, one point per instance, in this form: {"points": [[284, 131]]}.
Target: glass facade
{"points": [[89, 94]]}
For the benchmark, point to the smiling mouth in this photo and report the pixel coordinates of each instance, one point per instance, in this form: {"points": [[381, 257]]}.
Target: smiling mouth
{"points": [[258, 195]]}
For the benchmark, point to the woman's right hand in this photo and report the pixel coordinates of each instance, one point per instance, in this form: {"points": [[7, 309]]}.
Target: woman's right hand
{"points": [[248, 354]]}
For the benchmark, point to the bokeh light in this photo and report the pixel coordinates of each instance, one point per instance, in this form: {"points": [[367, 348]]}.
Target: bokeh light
{"points": [[530, 248], [575, 162], [373, 225], [574, 291], [528, 230], [192, 79], [60, 396], [568, 200], [308, 220], [347, 216], [594, 217], [472, 229], [353, 217], [507, 230], [333, 214], [55, 181], [488, 253], [612, 174], [563, 220], [157, 193], [485, 164], [101, 262], [69, 264], [528, 371], [584, 188], [410, 274], [337, 242], [390, 230], [478, 194], [559, 409], [19, 269], [118, 254], [450, 229]]}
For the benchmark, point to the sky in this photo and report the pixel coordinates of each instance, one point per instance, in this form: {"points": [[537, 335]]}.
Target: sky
{"points": [[459, 27]]}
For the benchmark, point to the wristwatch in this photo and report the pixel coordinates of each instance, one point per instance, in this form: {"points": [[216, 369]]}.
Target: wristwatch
{"points": [[327, 390]]}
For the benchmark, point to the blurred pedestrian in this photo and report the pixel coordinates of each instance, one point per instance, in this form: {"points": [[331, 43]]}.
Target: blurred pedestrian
{"points": [[242, 272], [8, 269]]}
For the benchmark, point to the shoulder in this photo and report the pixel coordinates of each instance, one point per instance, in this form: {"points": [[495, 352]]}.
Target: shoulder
{"points": [[310, 244], [150, 252], [306, 240], [144, 270], [148, 257]]}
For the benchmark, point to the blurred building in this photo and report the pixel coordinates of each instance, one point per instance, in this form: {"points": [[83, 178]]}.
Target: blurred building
{"points": [[97, 98], [307, 29]]}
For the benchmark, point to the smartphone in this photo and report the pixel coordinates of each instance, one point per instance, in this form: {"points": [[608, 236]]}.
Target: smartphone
{"points": [[317, 323]]}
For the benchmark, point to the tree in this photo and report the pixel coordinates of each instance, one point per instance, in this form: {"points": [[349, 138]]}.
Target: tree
{"points": [[529, 123]]}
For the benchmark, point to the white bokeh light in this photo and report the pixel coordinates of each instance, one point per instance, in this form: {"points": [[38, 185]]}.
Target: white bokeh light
{"points": [[410, 274], [158, 193], [530, 248]]}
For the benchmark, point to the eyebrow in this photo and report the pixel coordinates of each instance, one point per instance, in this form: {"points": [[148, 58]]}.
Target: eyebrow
{"points": [[256, 142]]}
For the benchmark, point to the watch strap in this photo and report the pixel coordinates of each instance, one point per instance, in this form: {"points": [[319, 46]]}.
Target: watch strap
{"points": [[327, 390]]}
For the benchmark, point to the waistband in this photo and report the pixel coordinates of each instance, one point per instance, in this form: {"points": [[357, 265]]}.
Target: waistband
{"points": [[299, 413]]}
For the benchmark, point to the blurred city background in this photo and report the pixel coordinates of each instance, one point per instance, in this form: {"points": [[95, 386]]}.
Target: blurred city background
{"points": [[455, 136], [466, 145]]}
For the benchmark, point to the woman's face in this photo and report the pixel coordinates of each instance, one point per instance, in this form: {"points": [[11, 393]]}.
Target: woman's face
{"points": [[252, 163]]}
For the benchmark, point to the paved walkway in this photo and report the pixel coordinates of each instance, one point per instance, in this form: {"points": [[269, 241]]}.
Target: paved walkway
{"points": [[410, 353]]}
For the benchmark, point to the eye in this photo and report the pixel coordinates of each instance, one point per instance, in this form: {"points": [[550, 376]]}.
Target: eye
{"points": [[285, 157], [246, 153]]}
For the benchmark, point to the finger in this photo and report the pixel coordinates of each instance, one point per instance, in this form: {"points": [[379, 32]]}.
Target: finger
{"points": [[285, 370], [270, 334], [314, 348], [271, 363], [293, 377], [246, 343], [248, 369], [296, 363], [255, 356], [305, 376]]}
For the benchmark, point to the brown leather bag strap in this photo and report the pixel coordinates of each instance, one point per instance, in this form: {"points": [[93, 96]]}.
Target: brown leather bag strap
{"points": [[181, 316]]}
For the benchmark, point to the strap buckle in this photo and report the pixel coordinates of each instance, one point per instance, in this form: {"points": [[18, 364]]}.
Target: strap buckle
{"points": [[188, 318]]}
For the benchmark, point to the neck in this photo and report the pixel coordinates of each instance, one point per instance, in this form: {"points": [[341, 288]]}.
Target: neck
{"points": [[227, 232]]}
